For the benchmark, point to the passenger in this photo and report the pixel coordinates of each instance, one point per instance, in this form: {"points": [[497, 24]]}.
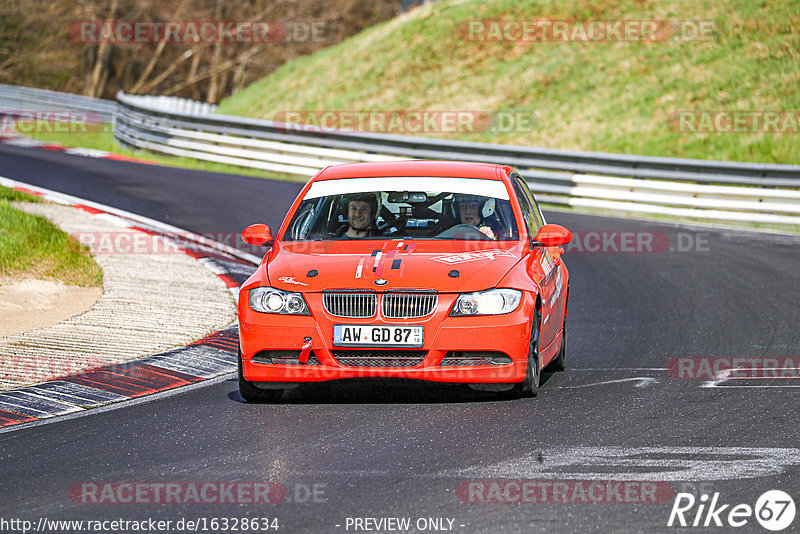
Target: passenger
{"points": [[470, 211]]}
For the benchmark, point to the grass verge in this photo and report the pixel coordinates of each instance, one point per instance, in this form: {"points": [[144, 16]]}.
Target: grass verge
{"points": [[33, 247], [12, 195]]}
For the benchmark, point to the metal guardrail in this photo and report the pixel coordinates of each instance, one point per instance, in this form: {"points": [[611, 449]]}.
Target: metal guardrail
{"points": [[175, 104], [15, 99], [714, 190], [751, 192]]}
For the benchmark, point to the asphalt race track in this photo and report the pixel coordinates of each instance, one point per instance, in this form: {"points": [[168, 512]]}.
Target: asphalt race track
{"points": [[617, 418]]}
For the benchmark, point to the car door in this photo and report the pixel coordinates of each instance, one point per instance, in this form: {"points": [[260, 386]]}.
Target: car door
{"points": [[559, 299], [542, 268]]}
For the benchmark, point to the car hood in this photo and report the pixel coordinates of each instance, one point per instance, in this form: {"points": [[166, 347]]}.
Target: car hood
{"points": [[402, 264]]}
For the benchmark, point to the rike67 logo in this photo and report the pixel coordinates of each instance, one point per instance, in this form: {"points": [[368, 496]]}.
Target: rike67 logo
{"points": [[774, 510]]}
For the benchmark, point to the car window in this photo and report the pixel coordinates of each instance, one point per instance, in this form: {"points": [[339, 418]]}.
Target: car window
{"points": [[390, 214], [537, 212], [528, 210], [540, 217]]}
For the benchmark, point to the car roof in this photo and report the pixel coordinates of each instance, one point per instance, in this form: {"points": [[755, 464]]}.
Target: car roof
{"points": [[455, 169]]}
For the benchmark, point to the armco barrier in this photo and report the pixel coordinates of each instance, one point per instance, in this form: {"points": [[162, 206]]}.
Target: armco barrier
{"points": [[19, 99], [727, 191], [701, 189]]}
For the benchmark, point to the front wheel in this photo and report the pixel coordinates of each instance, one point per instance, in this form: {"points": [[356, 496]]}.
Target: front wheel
{"points": [[530, 386], [250, 392]]}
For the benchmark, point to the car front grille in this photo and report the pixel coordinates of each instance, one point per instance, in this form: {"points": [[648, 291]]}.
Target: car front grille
{"points": [[380, 358], [393, 305], [408, 305], [350, 304]]}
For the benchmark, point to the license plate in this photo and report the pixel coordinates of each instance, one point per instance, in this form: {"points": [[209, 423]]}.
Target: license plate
{"points": [[377, 336]]}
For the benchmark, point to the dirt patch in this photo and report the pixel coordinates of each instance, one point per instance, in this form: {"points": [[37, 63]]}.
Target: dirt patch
{"points": [[31, 304]]}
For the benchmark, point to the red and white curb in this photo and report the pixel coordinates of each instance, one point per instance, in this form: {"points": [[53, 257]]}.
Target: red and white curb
{"points": [[207, 358], [29, 142]]}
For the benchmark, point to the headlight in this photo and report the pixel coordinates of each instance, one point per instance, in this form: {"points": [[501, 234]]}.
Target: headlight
{"points": [[489, 302], [271, 300]]}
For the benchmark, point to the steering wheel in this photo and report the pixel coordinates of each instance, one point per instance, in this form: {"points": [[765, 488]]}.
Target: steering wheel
{"points": [[463, 230], [398, 222]]}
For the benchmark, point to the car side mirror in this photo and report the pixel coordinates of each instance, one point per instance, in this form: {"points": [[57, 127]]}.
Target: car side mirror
{"points": [[552, 235], [258, 235]]}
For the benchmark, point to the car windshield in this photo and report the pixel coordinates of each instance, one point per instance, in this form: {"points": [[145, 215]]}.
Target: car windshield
{"points": [[408, 208]]}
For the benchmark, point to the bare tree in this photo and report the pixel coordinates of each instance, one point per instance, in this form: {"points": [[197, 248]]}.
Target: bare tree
{"points": [[99, 75], [38, 49]]}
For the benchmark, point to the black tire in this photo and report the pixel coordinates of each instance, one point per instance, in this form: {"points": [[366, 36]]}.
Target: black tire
{"points": [[251, 393], [559, 363], [530, 386]]}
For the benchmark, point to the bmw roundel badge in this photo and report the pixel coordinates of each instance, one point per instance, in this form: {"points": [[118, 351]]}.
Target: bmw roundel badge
{"points": [[381, 282]]}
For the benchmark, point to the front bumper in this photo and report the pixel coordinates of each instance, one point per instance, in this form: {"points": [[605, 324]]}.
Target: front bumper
{"points": [[508, 334]]}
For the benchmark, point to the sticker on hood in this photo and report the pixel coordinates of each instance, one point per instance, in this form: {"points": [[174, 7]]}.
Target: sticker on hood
{"points": [[452, 259], [291, 280]]}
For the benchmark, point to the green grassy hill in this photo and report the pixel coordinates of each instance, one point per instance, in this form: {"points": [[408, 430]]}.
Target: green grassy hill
{"points": [[606, 96]]}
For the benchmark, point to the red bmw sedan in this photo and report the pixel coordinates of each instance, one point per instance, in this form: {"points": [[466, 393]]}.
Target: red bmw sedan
{"points": [[434, 270]]}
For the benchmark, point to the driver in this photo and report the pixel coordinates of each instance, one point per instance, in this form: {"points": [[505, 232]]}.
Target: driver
{"points": [[470, 208], [362, 210]]}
